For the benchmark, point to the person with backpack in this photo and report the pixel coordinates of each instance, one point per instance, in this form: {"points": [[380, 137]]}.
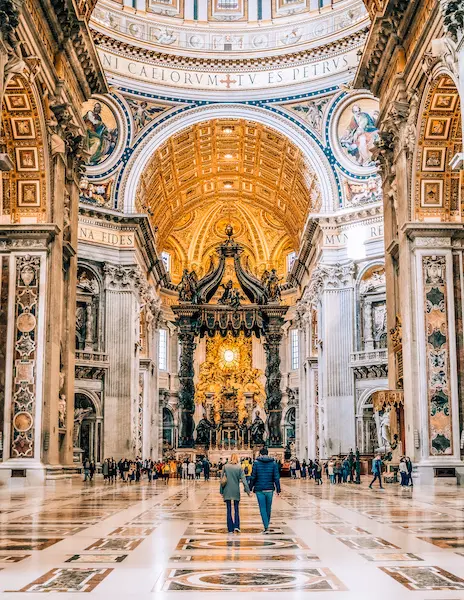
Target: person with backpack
{"points": [[265, 480]]}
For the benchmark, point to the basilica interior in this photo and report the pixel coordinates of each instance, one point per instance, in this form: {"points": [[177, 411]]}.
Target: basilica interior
{"points": [[230, 227]]}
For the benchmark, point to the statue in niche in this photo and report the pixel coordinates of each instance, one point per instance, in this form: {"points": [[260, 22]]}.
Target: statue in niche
{"points": [[384, 427], [204, 429], [257, 430], [79, 416], [187, 286], [62, 402], [227, 293], [62, 411]]}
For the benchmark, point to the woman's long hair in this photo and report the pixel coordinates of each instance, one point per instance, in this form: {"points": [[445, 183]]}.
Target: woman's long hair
{"points": [[234, 459]]}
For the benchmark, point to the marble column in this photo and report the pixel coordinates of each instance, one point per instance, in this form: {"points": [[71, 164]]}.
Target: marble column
{"points": [[273, 339], [336, 378], [186, 388]]}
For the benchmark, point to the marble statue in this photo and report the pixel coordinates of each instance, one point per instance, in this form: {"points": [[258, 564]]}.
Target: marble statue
{"points": [[257, 430], [385, 434]]}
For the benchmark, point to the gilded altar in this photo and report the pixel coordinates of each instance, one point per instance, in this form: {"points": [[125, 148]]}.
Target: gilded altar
{"points": [[229, 390]]}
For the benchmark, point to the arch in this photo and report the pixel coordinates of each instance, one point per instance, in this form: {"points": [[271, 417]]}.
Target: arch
{"points": [[23, 127], [370, 265], [310, 149], [93, 399], [363, 399]]}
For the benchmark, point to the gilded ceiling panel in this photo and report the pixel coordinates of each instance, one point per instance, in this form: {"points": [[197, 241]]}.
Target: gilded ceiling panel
{"points": [[225, 171]]}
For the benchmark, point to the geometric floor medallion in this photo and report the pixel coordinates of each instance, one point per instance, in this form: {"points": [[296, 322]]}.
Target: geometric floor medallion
{"points": [[250, 580]]}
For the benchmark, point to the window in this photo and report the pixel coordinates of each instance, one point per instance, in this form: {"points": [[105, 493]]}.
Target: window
{"points": [[163, 350], [290, 260], [166, 258], [294, 349]]}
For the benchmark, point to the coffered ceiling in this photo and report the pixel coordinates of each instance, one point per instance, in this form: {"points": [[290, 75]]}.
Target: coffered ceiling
{"points": [[225, 171]]}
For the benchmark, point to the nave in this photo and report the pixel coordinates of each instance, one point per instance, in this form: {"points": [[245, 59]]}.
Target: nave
{"points": [[151, 540]]}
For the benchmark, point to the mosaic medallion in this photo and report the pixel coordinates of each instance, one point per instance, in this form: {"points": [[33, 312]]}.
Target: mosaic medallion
{"points": [[232, 556], [251, 580], [241, 542], [425, 578], [67, 580], [245, 529]]}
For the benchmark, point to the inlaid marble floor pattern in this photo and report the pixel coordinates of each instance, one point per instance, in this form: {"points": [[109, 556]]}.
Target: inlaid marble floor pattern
{"points": [[159, 542]]}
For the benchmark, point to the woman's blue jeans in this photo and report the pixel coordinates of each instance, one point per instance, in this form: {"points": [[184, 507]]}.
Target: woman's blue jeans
{"points": [[232, 523]]}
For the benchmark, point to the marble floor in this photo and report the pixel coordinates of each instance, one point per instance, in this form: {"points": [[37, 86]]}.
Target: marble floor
{"points": [[157, 541]]}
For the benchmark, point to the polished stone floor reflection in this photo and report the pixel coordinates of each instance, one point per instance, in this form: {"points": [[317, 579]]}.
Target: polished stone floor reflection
{"points": [[157, 541]]}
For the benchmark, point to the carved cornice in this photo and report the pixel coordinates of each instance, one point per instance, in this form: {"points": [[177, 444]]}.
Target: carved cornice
{"points": [[71, 28], [453, 18], [232, 65], [387, 27]]}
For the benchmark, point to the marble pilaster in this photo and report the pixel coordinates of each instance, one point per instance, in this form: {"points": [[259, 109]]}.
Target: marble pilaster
{"points": [[337, 414]]}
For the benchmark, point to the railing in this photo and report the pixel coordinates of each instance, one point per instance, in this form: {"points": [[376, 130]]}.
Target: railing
{"points": [[371, 357], [91, 356]]}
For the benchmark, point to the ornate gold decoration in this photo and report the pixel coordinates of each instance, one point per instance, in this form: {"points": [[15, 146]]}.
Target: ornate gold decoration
{"points": [[229, 366], [439, 191], [224, 172]]}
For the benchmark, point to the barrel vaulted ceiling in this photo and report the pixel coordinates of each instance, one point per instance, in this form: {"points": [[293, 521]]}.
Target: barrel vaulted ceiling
{"points": [[225, 171]]}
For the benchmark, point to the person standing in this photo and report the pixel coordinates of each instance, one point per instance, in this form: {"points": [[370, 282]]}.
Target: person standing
{"points": [[198, 469], [403, 468], [317, 470], [106, 470], [191, 470], [206, 468], [409, 467], [331, 470], [265, 479], [231, 476], [166, 472], [86, 469], [184, 469], [377, 471], [293, 468], [351, 465]]}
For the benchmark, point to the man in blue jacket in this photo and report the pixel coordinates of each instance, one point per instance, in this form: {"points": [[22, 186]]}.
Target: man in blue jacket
{"points": [[265, 479]]}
